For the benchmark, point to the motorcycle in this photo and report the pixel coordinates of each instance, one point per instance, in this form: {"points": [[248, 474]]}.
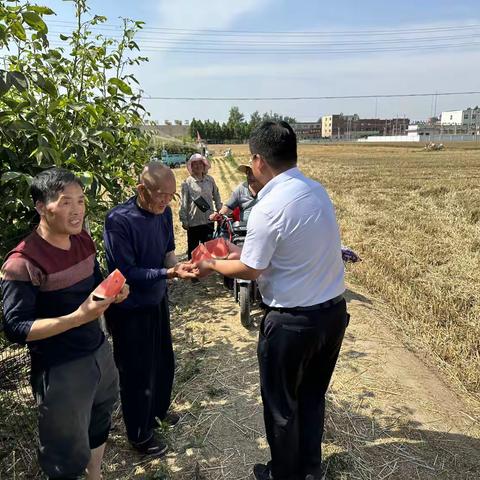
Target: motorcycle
{"points": [[245, 292]]}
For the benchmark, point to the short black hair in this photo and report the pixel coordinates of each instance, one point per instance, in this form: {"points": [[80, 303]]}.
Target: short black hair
{"points": [[47, 185], [276, 142]]}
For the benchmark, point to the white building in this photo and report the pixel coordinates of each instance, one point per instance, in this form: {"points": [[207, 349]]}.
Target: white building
{"points": [[467, 118]]}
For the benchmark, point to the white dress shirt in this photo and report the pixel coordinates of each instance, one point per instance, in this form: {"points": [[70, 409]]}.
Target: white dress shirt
{"points": [[292, 234]]}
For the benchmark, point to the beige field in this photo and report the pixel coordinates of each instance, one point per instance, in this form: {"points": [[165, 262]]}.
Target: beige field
{"points": [[414, 218]]}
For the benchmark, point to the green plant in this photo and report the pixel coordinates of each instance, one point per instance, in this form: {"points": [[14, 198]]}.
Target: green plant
{"points": [[72, 106]]}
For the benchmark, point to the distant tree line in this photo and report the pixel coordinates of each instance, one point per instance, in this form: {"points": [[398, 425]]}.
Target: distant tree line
{"points": [[236, 129]]}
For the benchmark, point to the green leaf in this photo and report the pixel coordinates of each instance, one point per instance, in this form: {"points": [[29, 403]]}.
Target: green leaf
{"points": [[112, 90], [91, 110], [98, 19], [18, 80], [46, 85], [35, 21], [41, 10], [21, 125], [3, 33], [122, 86], [5, 83], [64, 37], [132, 45], [86, 178], [18, 30], [8, 176], [108, 137]]}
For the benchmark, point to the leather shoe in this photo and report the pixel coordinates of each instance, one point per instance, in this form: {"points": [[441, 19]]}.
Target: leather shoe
{"points": [[261, 472], [154, 447]]}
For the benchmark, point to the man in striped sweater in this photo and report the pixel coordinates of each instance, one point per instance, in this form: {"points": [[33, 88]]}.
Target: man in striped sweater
{"points": [[47, 282]]}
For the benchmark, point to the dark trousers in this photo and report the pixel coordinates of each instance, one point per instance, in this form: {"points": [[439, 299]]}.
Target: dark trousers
{"points": [[195, 235], [75, 403], [297, 353], [143, 352]]}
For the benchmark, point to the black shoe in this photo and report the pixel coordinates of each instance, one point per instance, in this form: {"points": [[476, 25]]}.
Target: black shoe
{"points": [[261, 472], [155, 447], [172, 419]]}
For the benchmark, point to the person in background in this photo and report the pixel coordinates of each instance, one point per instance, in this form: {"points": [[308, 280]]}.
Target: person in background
{"points": [[292, 249], [47, 283], [200, 198], [139, 241], [244, 197]]}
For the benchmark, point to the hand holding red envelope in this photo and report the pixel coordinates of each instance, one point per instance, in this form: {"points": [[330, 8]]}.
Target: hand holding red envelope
{"points": [[218, 249]]}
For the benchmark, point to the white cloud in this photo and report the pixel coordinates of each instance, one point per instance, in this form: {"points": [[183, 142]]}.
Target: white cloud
{"points": [[209, 14]]}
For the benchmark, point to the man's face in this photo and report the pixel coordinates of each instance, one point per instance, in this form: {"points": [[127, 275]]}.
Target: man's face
{"points": [[64, 216], [254, 165], [156, 196], [252, 181]]}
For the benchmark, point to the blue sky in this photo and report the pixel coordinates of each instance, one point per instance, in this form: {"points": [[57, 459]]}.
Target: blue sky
{"points": [[175, 70]]}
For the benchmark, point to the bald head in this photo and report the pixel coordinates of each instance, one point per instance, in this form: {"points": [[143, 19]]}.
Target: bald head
{"points": [[156, 188], [154, 174]]}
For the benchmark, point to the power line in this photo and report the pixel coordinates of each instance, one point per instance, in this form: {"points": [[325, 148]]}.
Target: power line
{"points": [[283, 51], [183, 31], [167, 40], [324, 97]]}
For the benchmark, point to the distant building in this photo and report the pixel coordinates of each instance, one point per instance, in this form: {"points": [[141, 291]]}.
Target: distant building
{"points": [[308, 130], [469, 118], [349, 127]]}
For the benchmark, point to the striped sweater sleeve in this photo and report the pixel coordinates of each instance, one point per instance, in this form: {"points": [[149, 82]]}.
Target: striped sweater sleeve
{"points": [[19, 283]]}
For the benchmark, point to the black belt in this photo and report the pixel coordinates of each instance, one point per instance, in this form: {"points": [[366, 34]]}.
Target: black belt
{"points": [[319, 306]]}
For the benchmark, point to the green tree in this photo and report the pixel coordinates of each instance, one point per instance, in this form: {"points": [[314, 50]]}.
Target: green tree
{"points": [[234, 122], [72, 106]]}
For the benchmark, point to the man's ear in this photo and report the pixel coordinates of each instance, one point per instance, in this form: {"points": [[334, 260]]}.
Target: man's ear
{"points": [[40, 208], [263, 166]]}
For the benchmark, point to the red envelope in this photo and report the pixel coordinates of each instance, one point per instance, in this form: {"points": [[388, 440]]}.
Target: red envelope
{"points": [[217, 248], [111, 286], [200, 253]]}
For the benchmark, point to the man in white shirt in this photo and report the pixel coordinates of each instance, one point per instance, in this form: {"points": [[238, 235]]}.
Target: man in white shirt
{"points": [[292, 249]]}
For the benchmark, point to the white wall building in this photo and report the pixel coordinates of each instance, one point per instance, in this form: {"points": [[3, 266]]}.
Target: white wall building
{"points": [[468, 118]]}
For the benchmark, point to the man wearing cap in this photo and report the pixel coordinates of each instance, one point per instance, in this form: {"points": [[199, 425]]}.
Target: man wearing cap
{"points": [[244, 196], [292, 249], [199, 194]]}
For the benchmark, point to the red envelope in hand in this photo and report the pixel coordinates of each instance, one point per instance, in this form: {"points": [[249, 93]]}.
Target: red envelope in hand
{"points": [[111, 286], [217, 248], [200, 253]]}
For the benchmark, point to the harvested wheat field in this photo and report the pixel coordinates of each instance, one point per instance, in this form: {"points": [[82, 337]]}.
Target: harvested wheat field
{"points": [[404, 401]]}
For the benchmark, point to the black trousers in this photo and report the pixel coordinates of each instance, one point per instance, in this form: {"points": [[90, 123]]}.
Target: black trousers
{"points": [[297, 353], [143, 352], [75, 402], [195, 235]]}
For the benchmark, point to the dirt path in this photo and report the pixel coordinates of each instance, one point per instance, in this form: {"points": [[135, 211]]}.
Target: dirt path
{"points": [[389, 415]]}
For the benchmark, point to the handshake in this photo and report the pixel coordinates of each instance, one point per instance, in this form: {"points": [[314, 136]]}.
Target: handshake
{"points": [[204, 258]]}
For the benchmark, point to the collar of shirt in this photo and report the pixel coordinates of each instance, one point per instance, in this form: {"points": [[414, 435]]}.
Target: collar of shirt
{"points": [[290, 173]]}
